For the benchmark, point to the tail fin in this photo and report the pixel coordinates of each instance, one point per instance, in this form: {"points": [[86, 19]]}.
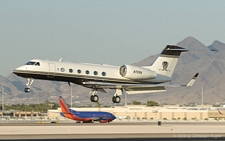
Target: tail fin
{"points": [[219, 112], [167, 60], [64, 107]]}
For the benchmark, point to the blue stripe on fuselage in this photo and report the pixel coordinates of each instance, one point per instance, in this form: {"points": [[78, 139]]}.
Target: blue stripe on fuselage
{"points": [[84, 114]]}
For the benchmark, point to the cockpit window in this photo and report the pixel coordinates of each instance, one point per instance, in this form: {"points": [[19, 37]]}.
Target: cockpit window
{"points": [[37, 64], [30, 63], [33, 63]]}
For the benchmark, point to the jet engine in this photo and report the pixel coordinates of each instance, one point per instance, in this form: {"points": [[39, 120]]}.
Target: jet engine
{"points": [[136, 73]]}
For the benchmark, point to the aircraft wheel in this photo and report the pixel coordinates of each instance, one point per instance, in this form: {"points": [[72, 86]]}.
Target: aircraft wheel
{"points": [[116, 99], [27, 90], [91, 98], [94, 98]]}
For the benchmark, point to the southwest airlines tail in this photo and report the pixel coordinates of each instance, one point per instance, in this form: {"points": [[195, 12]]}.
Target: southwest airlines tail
{"points": [[167, 60], [64, 107], [65, 110], [220, 112]]}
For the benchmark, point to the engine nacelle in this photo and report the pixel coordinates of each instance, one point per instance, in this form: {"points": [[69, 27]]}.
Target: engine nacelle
{"points": [[136, 73]]}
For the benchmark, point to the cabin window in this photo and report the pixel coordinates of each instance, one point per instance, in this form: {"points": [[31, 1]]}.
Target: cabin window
{"points": [[62, 69], [87, 72], [103, 73], [70, 70], [79, 71], [95, 73]]}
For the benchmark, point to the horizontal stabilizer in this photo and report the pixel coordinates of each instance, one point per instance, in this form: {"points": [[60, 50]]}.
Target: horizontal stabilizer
{"points": [[173, 50], [177, 49]]}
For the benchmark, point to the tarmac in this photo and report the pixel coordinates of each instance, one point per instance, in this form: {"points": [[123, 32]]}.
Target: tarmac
{"points": [[118, 129]]}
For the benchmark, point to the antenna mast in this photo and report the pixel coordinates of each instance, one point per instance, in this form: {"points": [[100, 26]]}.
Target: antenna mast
{"points": [[202, 96]]}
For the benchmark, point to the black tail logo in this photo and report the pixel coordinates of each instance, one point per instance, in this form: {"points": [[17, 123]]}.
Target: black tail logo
{"points": [[165, 65]]}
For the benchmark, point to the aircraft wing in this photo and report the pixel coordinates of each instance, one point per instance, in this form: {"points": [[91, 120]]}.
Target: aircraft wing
{"points": [[139, 88], [129, 88]]}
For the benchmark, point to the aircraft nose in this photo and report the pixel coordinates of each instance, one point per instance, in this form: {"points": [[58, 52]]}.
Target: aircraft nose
{"points": [[113, 117], [18, 69], [15, 71]]}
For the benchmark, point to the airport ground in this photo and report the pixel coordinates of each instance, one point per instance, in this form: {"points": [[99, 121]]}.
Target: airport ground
{"points": [[177, 123], [214, 130]]}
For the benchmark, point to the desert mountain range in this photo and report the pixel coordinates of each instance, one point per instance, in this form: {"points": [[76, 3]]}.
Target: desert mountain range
{"points": [[209, 64]]}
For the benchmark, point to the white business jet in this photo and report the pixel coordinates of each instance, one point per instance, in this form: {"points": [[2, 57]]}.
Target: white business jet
{"points": [[98, 77]]}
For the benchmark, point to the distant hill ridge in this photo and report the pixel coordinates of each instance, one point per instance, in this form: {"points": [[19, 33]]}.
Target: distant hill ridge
{"points": [[210, 65]]}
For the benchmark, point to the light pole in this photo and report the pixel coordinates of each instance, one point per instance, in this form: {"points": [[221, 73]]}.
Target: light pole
{"points": [[71, 96], [125, 97], [202, 96], [2, 101], [3, 98]]}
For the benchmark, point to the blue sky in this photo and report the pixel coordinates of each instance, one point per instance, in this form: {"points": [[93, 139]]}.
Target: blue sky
{"points": [[102, 31]]}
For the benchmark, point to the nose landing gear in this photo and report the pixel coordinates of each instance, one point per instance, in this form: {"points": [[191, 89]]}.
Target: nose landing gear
{"points": [[27, 90], [29, 82]]}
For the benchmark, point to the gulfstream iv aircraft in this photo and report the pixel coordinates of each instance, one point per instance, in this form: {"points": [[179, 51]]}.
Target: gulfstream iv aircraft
{"points": [[126, 78]]}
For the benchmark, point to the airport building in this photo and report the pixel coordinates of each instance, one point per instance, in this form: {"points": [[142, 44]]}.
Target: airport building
{"points": [[18, 114], [167, 112], [137, 112]]}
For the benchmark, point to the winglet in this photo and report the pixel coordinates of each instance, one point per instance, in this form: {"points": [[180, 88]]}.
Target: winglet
{"points": [[192, 81]]}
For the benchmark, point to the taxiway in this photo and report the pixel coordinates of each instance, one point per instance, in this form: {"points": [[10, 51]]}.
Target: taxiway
{"points": [[112, 130]]}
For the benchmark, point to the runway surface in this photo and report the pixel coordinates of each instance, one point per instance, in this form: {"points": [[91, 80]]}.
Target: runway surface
{"points": [[176, 130]]}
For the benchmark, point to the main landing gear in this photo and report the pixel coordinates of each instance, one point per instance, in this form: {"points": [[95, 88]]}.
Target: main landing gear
{"points": [[115, 99], [94, 98], [29, 82]]}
